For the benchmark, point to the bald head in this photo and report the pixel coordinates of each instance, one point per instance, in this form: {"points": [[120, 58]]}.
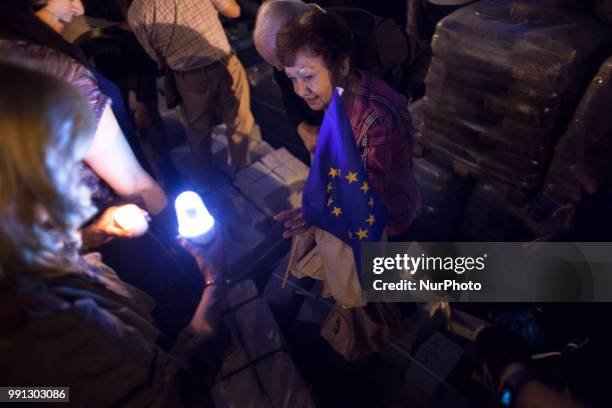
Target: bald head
{"points": [[271, 17]]}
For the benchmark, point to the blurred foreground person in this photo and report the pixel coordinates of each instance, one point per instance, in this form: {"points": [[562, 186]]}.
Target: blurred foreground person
{"points": [[67, 320], [29, 36]]}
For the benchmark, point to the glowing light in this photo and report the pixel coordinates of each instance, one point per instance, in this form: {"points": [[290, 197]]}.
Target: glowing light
{"points": [[195, 222], [131, 218]]}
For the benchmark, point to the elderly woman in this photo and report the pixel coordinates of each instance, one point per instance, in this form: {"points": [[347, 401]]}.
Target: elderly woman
{"points": [[315, 49], [380, 48], [66, 320]]}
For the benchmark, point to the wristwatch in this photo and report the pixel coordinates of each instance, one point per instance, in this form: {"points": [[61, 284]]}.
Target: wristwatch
{"points": [[513, 384]]}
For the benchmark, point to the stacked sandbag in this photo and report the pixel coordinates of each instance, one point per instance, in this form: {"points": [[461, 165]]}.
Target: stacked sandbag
{"points": [[503, 84], [587, 143], [275, 182], [490, 218], [257, 371], [444, 195]]}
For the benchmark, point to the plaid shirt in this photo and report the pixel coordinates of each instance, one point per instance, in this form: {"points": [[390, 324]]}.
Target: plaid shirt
{"points": [[187, 34], [383, 129]]}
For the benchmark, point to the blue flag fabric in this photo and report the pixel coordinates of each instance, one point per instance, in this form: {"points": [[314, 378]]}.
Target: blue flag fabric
{"points": [[337, 196]]}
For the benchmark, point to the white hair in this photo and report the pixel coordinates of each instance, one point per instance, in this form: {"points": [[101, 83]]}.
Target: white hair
{"points": [[271, 17]]}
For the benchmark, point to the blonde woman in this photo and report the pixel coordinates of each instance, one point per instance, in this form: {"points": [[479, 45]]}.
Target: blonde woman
{"points": [[63, 321]]}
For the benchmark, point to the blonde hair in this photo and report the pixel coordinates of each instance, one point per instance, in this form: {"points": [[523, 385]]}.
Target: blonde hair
{"points": [[46, 127]]}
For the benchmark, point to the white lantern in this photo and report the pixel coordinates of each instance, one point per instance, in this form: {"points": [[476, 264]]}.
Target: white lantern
{"points": [[195, 222], [131, 218]]}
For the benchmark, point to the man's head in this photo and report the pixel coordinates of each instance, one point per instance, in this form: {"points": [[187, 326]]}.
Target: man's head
{"points": [[271, 17]]}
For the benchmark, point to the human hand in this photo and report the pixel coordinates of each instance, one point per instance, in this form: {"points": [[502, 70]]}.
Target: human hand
{"points": [[124, 221], [294, 222], [141, 116], [209, 261], [308, 134]]}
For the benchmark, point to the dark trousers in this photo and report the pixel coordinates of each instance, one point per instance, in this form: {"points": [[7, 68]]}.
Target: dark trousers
{"points": [[222, 85]]}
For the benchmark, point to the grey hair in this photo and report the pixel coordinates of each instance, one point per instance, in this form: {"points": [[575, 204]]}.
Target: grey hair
{"points": [[272, 15]]}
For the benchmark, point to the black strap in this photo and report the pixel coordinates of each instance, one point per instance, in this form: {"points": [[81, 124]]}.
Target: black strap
{"points": [[160, 56]]}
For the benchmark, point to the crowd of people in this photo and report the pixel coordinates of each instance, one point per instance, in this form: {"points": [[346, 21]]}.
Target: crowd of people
{"points": [[72, 157]]}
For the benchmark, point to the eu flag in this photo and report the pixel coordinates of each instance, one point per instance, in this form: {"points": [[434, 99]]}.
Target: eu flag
{"points": [[337, 196]]}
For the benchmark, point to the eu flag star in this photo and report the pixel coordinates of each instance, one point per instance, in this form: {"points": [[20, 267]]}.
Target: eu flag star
{"points": [[365, 187], [330, 187], [362, 234], [371, 202], [371, 220], [330, 201], [351, 177], [337, 211], [350, 234], [333, 172]]}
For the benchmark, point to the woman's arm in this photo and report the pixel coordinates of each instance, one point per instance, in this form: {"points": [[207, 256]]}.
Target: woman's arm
{"points": [[228, 8], [112, 159], [109, 156]]}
